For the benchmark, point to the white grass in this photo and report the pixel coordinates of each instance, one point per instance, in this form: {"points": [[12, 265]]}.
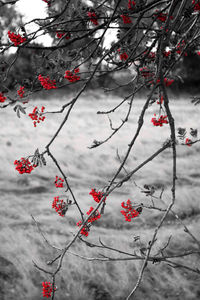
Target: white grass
{"points": [[22, 195]]}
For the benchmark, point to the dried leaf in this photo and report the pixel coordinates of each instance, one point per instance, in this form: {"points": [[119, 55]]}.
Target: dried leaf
{"points": [[22, 109], [18, 112]]}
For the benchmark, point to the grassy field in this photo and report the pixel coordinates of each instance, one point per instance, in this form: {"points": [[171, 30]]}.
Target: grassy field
{"points": [[22, 195]]}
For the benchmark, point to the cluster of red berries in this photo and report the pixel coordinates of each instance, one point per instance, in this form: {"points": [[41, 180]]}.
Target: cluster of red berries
{"points": [[72, 77], [59, 205], [146, 73], [94, 216], [47, 2], [151, 55], [126, 19], [188, 142], [93, 17], [129, 212], [47, 289], [161, 16], [196, 5], [180, 48], [167, 81], [97, 196], [47, 83], [59, 182], [37, 115], [123, 56], [21, 91], [131, 4], [17, 39], [166, 53], [162, 120], [2, 98], [24, 166], [60, 34], [85, 230]]}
